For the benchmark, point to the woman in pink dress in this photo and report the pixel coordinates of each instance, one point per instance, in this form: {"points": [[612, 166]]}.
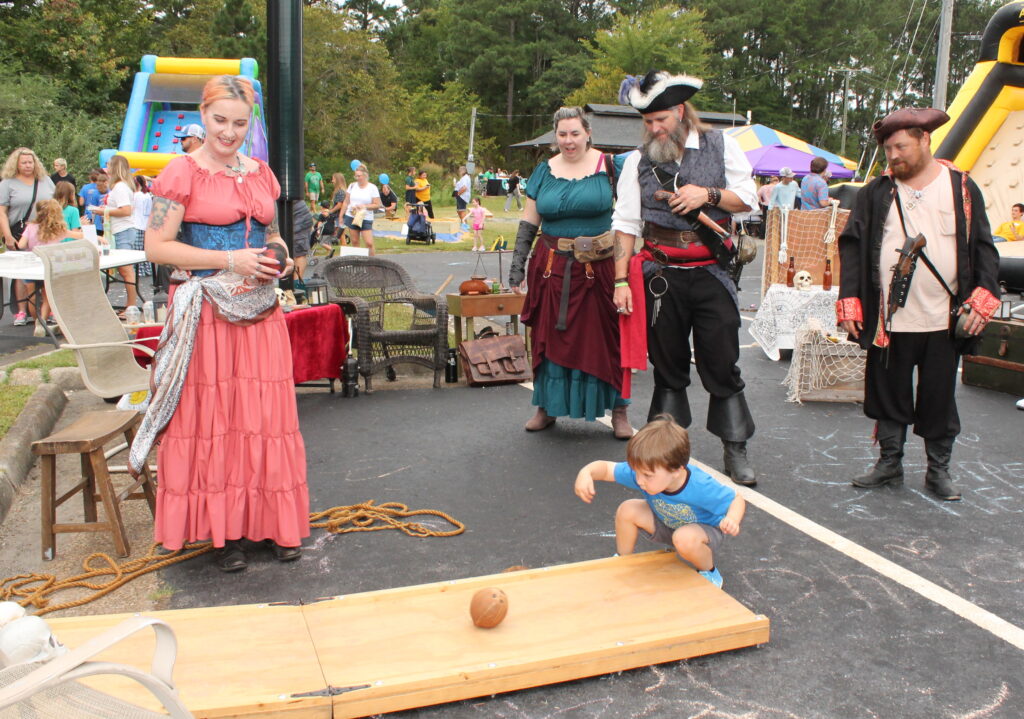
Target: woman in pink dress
{"points": [[231, 462]]}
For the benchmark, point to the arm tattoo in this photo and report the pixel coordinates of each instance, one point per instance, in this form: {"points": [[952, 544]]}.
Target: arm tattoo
{"points": [[161, 206], [619, 251], [273, 228]]}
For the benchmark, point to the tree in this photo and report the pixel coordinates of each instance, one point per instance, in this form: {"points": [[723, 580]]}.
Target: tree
{"points": [[663, 38], [439, 127], [34, 116], [354, 106], [237, 31], [521, 57], [58, 39]]}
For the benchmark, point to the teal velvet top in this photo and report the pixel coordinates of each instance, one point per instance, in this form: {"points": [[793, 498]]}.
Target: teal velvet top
{"points": [[571, 208]]}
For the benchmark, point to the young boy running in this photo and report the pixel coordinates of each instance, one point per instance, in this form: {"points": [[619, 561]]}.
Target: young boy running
{"points": [[683, 507]]}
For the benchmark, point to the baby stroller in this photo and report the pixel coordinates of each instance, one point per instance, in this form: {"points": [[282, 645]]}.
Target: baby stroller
{"points": [[418, 226]]}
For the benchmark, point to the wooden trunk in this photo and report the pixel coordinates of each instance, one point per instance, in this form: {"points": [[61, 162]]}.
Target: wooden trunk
{"points": [[999, 362]]}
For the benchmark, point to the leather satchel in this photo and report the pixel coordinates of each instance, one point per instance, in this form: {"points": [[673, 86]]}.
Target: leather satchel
{"points": [[495, 360]]}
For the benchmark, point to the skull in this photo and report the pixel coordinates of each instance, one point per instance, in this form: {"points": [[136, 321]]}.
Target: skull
{"points": [[28, 639], [802, 280], [280, 295]]}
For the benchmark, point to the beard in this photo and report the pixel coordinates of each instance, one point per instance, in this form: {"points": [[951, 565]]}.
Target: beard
{"points": [[905, 169], [667, 148]]}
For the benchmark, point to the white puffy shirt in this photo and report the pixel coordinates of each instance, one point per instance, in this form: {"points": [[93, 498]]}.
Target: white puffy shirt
{"points": [[738, 179]]}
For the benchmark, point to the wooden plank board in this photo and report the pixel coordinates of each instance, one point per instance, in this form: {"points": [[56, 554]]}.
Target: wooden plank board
{"points": [[240, 661], [416, 646]]}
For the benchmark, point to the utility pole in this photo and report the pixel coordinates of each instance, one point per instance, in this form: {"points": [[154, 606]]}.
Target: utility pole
{"points": [[846, 96], [470, 165], [942, 58]]}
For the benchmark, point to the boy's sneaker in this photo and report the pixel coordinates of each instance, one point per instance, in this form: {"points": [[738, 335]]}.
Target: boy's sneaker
{"points": [[713, 576], [20, 319]]}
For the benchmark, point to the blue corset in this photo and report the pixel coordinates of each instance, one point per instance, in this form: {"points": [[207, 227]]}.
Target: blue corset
{"points": [[222, 237]]}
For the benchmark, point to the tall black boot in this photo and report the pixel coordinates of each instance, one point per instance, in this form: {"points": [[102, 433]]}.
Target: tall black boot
{"points": [[889, 467], [672, 402], [937, 479], [729, 419]]}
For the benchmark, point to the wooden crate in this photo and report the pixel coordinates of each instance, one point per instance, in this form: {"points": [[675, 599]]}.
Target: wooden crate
{"points": [[823, 370]]}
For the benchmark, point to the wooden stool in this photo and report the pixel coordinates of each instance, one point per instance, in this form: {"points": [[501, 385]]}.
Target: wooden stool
{"points": [[86, 436]]}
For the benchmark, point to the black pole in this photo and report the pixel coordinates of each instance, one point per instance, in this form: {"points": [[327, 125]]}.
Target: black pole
{"points": [[284, 109]]}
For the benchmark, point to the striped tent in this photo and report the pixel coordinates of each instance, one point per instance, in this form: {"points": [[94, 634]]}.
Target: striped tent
{"points": [[751, 137]]}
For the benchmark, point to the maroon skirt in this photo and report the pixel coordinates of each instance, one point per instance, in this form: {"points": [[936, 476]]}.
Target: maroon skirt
{"points": [[589, 340]]}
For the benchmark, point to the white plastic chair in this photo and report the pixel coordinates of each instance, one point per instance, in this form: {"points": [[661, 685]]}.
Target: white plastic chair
{"points": [[51, 689]]}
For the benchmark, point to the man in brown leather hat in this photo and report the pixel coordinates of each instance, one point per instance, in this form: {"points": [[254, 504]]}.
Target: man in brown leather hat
{"points": [[679, 282], [956, 275]]}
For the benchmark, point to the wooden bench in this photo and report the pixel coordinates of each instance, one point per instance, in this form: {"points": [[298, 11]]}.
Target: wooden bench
{"points": [[87, 436]]}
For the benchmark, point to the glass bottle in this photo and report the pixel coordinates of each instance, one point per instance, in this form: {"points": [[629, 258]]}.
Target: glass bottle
{"points": [[790, 272], [826, 279]]}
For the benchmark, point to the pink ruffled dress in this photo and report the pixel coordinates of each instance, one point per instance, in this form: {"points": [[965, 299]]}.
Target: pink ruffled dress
{"points": [[231, 462]]}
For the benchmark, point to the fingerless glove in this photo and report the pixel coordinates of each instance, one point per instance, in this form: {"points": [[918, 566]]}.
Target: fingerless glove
{"points": [[525, 236]]}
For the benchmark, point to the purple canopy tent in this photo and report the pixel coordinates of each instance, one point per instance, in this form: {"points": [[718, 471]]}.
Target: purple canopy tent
{"points": [[769, 159]]}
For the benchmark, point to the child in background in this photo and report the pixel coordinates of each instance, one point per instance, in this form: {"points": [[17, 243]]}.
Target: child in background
{"points": [[95, 197], [683, 507], [142, 205], [90, 185], [478, 212], [64, 194], [48, 227]]}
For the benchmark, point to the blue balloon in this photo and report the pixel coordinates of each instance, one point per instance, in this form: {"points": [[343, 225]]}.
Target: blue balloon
{"points": [[383, 179], [355, 164]]}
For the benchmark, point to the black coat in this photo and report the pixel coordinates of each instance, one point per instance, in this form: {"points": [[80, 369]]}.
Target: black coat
{"points": [[860, 248]]}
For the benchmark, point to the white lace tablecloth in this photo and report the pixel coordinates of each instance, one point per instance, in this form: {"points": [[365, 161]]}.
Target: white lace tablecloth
{"points": [[784, 309]]}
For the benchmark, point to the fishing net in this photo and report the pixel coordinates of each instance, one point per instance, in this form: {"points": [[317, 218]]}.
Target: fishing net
{"points": [[808, 236]]}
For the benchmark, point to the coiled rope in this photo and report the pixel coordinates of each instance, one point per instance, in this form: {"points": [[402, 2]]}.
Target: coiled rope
{"points": [[102, 574]]}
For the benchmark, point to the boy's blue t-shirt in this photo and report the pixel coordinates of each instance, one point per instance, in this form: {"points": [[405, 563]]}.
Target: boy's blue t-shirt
{"points": [[702, 499], [92, 196]]}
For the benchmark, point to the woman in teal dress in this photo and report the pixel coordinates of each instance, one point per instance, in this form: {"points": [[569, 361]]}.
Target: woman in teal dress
{"points": [[575, 328]]}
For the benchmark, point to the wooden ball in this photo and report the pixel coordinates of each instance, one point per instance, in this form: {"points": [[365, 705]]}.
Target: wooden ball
{"points": [[488, 607]]}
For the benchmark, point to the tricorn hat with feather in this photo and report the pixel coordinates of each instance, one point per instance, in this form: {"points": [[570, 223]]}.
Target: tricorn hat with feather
{"points": [[658, 91]]}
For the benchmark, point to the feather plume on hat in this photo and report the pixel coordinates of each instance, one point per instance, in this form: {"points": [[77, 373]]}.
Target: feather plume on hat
{"points": [[659, 91]]}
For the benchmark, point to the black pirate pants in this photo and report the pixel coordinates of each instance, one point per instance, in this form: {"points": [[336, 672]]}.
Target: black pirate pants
{"points": [[889, 390], [694, 301]]}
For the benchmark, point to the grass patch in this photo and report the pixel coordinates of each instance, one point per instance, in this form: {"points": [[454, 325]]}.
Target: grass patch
{"points": [[12, 401], [47, 362], [161, 594]]}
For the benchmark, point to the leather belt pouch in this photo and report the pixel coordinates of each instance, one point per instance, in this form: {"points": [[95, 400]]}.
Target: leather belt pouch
{"points": [[588, 249], [495, 360]]}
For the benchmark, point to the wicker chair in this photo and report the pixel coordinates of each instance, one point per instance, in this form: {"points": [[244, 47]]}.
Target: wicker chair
{"points": [[382, 295]]}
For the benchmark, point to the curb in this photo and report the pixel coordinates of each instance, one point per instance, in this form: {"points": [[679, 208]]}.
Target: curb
{"points": [[36, 421]]}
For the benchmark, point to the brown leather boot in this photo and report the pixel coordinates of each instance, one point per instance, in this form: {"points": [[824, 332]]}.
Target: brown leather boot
{"points": [[540, 421], [620, 423]]}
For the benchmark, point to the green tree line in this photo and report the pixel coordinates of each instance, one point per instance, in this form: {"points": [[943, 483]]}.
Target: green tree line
{"points": [[394, 85]]}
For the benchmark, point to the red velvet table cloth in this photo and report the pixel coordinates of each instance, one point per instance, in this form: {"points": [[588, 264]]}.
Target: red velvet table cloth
{"points": [[319, 338]]}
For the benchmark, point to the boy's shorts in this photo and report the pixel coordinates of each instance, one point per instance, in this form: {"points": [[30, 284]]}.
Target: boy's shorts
{"points": [[663, 534]]}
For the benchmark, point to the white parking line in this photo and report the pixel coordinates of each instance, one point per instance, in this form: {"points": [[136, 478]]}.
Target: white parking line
{"points": [[931, 591]]}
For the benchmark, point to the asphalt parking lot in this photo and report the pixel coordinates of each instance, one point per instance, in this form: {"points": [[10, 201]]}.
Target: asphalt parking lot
{"points": [[884, 603]]}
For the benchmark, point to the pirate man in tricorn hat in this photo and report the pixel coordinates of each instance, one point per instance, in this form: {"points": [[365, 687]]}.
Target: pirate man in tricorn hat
{"points": [[683, 175]]}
